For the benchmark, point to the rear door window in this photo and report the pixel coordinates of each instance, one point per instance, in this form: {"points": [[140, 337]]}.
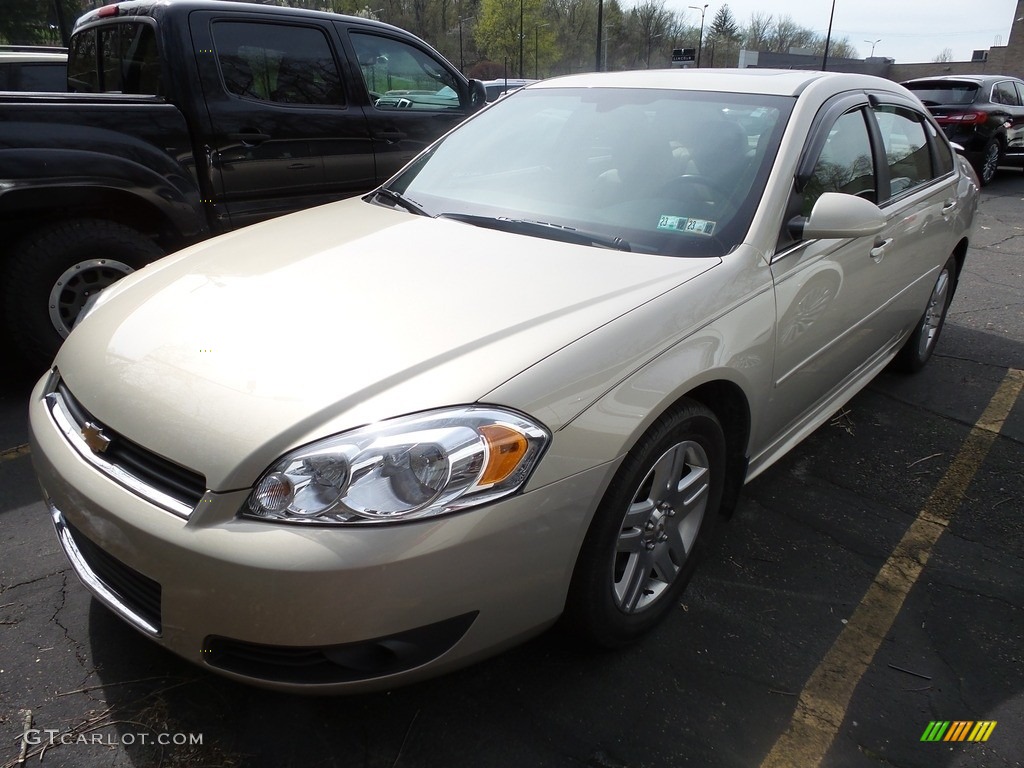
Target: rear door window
{"points": [[278, 63], [907, 152], [1005, 93], [118, 58]]}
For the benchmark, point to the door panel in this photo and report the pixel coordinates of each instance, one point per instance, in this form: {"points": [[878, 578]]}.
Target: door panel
{"points": [[844, 305], [280, 117]]}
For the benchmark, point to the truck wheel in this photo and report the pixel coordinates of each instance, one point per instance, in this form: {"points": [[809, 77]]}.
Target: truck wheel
{"points": [[52, 272]]}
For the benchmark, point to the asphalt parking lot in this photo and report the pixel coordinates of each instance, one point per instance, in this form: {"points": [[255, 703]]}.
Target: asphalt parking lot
{"points": [[869, 585]]}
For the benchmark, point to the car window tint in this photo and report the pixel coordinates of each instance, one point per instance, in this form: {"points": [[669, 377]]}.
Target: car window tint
{"points": [[1005, 93], [943, 152], [668, 172], [935, 94], [128, 60], [845, 163], [277, 63], [401, 76], [906, 148]]}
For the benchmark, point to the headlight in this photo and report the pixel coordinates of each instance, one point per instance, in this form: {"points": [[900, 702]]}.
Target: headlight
{"points": [[403, 469]]}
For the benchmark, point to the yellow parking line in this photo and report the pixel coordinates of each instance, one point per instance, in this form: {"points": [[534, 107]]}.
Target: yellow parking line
{"points": [[13, 453], [821, 708]]}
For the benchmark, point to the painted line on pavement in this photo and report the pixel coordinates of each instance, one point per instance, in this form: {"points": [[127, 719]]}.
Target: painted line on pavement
{"points": [[822, 705]]}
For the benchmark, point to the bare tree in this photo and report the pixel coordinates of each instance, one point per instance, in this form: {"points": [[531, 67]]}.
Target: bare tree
{"points": [[757, 32], [787, 34], [945, 56]]}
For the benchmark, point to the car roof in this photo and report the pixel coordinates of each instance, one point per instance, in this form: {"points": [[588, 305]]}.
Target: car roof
{"points": [[156, 7], [973, 79], [778, 82]]}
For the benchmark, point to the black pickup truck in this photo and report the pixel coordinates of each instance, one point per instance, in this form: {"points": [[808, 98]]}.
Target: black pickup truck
{"points": [[188, 118]]}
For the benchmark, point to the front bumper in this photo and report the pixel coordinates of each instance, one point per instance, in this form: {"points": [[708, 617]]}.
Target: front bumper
{"points": [[325, 609]]}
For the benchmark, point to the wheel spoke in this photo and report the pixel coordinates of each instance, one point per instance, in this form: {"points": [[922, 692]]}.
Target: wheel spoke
{"points": [[664, 565], [691, 490], [630, 589], [666, 473]]}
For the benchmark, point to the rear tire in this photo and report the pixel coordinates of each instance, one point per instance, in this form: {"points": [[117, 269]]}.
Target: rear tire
{"points": [[51, 273], [918, 348], [649, 530], [991, 157]]}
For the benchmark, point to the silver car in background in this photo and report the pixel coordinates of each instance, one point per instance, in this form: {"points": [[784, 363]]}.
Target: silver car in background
{"points": [[370, 442]]}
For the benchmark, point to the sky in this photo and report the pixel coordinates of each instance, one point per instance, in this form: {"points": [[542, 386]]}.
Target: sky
{"points": [[909, 31]]}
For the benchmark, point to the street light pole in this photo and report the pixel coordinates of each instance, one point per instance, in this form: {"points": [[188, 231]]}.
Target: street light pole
{"points": [[521, 74], [700, 39], [873, 44], [536, 49], [606, 28], [462, 62]]}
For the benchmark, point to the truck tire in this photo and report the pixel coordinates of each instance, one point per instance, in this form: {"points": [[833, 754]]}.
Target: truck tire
{"points": [[52, 271]]}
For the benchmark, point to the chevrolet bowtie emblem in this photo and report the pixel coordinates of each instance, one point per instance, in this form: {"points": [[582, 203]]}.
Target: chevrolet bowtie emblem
{"points": [[95, 438]]}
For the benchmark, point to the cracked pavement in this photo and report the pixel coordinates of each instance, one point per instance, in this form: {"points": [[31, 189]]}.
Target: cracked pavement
{"points": [[715, 685]]}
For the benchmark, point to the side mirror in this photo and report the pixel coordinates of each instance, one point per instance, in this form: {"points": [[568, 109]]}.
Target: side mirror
{"points": [[477, 95], [837, 215]]}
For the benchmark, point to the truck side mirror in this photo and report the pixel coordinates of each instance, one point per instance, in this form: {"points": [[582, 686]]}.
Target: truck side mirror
{"points": [[477, 95]]}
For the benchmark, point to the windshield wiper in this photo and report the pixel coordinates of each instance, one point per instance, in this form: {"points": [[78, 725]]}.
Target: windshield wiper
{"points": [[399, 199], [540, 229]]}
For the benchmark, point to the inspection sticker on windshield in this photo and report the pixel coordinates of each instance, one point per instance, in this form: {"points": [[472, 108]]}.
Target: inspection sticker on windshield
{"points": [[684, 224]]}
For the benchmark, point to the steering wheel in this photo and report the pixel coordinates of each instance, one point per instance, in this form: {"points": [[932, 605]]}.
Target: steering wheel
{"points": [[674, 187]]}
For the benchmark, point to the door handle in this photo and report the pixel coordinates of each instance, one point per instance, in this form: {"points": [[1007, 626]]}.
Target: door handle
{"points": [[390, 136], [878, 252], [249, 139], [300, 166], [949, 207]]}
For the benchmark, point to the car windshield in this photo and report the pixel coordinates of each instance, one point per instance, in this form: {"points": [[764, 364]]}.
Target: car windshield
{"points": [[935, 94], [669, 172]]}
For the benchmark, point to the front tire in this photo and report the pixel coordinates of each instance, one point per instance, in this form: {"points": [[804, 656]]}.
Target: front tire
{"points": [[51, 273], [649, 530], [918, 348]]}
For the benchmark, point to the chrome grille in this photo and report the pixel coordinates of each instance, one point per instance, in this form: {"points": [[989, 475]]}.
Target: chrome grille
{"points": [[158, 480]]}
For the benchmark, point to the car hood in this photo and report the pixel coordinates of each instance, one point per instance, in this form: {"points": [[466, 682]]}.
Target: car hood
{"points": [[228, 354]]}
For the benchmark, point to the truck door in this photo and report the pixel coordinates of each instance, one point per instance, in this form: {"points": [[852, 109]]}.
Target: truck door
{"points": [[279, 113], [414, 96]]}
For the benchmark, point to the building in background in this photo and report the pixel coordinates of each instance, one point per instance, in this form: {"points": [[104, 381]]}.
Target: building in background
{"points": [[998, 60]]}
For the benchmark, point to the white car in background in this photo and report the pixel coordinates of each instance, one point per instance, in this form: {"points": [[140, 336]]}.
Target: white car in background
{"points": [[33, 68]]}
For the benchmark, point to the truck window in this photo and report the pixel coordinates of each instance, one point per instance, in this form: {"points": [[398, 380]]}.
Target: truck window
{"points": [[278, 63], [400, 76], [118, 58]]}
